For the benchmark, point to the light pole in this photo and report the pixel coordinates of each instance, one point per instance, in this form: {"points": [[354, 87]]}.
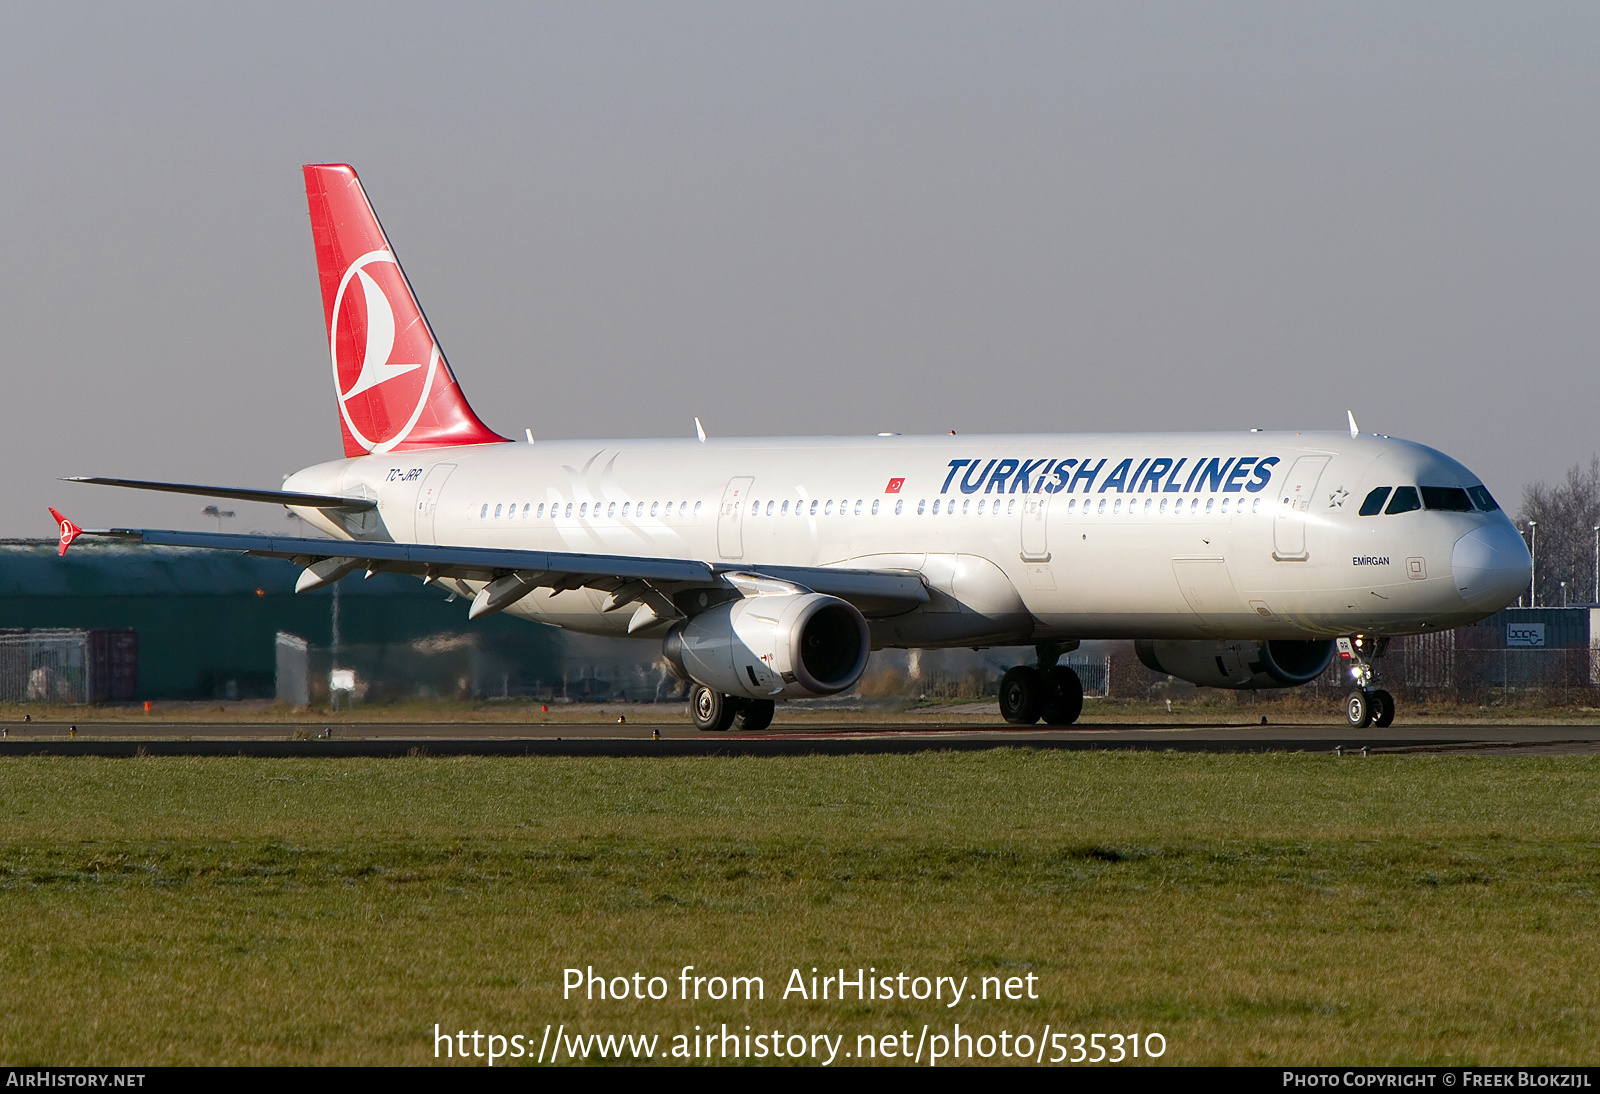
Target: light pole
{"points": [[1533, 564], [1597, 564]]}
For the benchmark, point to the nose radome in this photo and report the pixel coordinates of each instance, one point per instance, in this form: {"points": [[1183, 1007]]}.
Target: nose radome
{"points": [[1491, 566]]}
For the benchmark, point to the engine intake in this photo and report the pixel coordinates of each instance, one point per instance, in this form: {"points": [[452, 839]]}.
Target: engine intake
{"points": [[1275, 663], [779, 646]]}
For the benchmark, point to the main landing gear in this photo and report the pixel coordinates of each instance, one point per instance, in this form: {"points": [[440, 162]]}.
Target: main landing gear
{"points": [[1366, 705], [712, 711], [1050, 692]]}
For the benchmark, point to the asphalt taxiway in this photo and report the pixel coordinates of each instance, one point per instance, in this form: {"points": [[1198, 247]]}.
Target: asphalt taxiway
{"points": [[611, 738]]}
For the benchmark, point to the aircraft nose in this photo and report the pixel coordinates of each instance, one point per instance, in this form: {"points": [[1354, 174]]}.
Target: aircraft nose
{"points": [[1491, 566]]}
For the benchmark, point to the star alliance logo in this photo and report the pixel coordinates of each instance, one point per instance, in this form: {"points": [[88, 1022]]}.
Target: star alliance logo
{"points": [[1336, 499]]}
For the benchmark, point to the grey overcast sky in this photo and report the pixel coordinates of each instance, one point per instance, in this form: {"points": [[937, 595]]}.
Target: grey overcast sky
{"points": [[802, 218]]}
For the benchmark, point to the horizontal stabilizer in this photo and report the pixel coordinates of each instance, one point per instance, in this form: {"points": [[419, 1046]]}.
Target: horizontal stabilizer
{"points": [[239, 493]]}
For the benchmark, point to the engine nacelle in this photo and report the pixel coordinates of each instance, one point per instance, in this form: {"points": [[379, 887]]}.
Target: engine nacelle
{"points": [[777, 646], [1276, 663]]}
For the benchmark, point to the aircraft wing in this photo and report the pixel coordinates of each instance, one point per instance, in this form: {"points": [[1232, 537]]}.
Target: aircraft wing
{"points": [[512, 574], [279, 497]]}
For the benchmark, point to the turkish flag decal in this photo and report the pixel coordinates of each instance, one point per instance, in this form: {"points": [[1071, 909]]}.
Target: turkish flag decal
{"points": [[894, 486]]}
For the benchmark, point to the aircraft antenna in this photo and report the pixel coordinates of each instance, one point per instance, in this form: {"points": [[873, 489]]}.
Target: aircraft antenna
{"points": [[1353, 430], [700, 430]]}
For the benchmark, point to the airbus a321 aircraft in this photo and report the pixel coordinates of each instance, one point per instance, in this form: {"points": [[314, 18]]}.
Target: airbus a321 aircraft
{"points": [[767, 569]]}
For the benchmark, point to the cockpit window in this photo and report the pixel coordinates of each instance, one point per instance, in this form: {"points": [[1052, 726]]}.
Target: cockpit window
{"points": [[1374, 503], [1482, 498], [1404, 501], [1451, 499]]}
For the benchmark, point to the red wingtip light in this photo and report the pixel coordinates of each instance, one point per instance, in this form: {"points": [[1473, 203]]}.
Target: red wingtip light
{"points": [[69, 532]]}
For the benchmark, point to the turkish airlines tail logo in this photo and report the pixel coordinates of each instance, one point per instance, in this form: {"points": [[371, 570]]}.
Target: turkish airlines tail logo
{"points": [[395, 391], [69, 531]]}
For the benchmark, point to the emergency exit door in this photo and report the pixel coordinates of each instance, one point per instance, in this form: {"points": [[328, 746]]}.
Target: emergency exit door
{"points": [[1035, 540], [730, 518]]}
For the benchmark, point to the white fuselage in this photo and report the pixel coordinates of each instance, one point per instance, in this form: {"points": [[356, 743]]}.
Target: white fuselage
{"points": [[1019, 538]]}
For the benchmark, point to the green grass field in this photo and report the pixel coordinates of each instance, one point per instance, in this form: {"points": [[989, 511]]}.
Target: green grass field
{"points": [[1251, 909]]}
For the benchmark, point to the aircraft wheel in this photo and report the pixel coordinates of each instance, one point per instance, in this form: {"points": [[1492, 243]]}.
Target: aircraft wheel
{"points": [[755, 714], [1064, 702], [710, 710], [1382, 709], [1358, 710], [1021, 695]]}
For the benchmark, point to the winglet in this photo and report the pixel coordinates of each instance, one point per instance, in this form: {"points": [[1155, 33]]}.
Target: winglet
{"points": [[69, 532], [1350, 414]]}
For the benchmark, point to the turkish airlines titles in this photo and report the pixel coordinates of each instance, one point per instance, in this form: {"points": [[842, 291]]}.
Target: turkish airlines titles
{"points": [[1152, 475]]}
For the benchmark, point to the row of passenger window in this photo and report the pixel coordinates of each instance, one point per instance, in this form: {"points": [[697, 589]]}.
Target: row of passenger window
{"points": [[1151, 508], [1407, 499], [826, 507], [844, 507], [818, 507], [982, 507], [581, 510]]}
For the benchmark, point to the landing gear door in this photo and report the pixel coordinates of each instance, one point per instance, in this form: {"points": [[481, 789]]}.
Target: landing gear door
{"points": [[428, 502], [1035, 541], [1294, 504], [730, 518]]}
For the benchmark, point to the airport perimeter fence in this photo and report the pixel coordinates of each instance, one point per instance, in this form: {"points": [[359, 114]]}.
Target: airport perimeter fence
{"points": [[461, 668], [957, 674], [1439, 670], [441, 666], [1468, 666], [68, 666], [983, 681], [1464, 666], [1456, 666], [456, 667], [1435, 667]]}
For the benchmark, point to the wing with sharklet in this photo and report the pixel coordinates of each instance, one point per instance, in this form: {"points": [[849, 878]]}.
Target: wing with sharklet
{"points": [[651, 584], [237, 493]]}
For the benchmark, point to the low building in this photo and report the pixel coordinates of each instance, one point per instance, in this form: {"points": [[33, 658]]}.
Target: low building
{"points": [[1532, 648], [207, 622]]}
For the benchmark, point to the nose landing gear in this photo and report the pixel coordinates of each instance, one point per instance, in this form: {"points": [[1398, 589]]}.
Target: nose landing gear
{"points": [[1369, 708], [1366, 705]]}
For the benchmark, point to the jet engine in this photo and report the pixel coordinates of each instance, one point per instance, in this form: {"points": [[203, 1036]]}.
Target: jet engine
{"points": [[1276, 663], [796, 645]]}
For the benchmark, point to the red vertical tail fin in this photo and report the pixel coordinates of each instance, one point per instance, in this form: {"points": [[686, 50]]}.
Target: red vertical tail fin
{"points": [[395, 390]]}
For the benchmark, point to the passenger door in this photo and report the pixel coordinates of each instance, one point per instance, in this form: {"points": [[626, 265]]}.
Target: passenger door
{"points": [[1294, 502], [428, 502]]}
